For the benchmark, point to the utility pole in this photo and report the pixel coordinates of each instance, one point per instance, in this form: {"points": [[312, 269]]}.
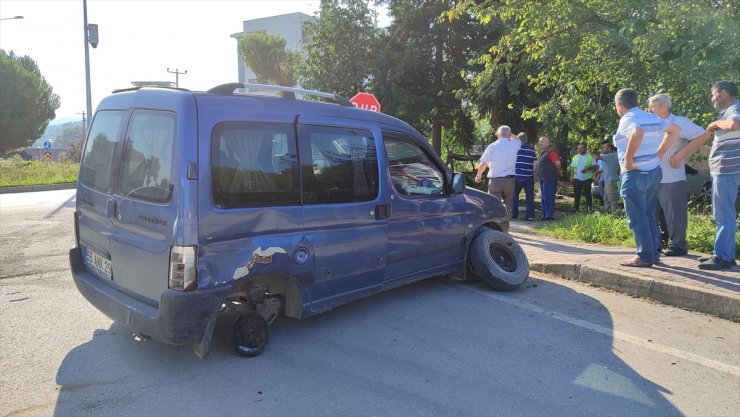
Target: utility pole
{"points": [[177, 76], [84, 125]]}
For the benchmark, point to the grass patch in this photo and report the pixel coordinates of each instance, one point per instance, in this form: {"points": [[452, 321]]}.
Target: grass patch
{"points": [[605, 229], [16, 172], [613, 230]]}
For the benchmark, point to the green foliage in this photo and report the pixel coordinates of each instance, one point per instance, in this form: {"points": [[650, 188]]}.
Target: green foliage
{"points": [[340, 48], [15, 172], [423, 62], [607, 229], [592, 228], [267, 56], [560, 62], [27, 102]]}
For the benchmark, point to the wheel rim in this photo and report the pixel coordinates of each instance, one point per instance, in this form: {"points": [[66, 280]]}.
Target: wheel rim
{"points": [[503, 257], [251, 333]]}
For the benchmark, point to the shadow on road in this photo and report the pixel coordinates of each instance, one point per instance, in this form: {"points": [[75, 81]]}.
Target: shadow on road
{"points": [[432, 348]]}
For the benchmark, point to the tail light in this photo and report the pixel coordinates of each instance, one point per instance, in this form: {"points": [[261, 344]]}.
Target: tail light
{"points": [[183, 273]]}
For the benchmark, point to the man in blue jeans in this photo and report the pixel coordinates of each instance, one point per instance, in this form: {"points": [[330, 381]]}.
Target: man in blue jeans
{"points": [[525, 158], [640, 140], [549, 170], [724, 166]]}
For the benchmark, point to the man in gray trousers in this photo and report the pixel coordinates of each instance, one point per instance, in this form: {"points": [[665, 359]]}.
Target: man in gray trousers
{"points": [[672, 191]]}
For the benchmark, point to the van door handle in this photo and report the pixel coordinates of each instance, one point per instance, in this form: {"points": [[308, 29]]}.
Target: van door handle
{"points": [[382, 211], [110, 208]]}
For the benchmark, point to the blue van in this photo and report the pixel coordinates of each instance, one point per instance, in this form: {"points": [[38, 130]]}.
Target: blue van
{"points": [[189, 203]]}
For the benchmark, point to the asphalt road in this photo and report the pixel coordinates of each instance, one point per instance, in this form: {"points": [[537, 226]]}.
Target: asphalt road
{"points": [[554, 348]]}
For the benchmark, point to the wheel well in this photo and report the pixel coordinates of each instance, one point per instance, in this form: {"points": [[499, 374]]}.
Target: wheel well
{"points": [[274, 284], [494, 226]]}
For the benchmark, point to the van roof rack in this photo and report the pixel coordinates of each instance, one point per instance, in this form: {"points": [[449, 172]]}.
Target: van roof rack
{"points": [[286, 92]]}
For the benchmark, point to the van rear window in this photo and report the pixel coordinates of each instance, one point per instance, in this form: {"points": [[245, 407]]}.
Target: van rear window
{"points": [[97, 160], [146, 164], [254, 165]]}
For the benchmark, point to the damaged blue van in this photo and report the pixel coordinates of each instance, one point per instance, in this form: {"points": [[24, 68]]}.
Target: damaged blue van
{"points": [[290, 203]]}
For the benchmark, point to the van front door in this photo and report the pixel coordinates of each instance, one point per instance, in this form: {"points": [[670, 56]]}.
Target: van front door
{"points": [[426, 230]]}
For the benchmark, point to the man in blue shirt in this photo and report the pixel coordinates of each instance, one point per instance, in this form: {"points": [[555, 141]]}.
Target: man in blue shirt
{"points": [[525, 158], [640, 141]]}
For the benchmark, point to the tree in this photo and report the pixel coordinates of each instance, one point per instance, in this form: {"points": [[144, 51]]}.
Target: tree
{"points": [[571, 56], [268, 58], [340, 48], [422, 61], [27, 101]]}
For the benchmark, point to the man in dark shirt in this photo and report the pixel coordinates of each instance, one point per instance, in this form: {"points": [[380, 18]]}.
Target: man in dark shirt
{"points": [[525, 158], [548, 169]]}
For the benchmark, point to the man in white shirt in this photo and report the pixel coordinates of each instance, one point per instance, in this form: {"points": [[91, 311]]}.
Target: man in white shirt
{"points": [[672, 191], [500, 159], [640, 141]]}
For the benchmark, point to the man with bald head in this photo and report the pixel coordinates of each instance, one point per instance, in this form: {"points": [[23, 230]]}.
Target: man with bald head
{"points": [[500, 159]]}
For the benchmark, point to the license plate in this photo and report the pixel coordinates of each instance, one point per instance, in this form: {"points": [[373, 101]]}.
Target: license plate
{"points": [[98, 263]]}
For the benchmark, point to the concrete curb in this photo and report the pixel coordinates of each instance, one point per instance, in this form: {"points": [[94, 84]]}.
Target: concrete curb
{"points": [[716, 303], [32, 188]]}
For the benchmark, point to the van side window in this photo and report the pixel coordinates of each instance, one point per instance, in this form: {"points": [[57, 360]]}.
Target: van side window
{"points": [[254, 164], [412, 171], [339, 165], [97, 159], [146, 164]]}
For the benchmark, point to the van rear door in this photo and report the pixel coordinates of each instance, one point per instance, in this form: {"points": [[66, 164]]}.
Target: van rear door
{"points": [[145, 212], [95, 201]]}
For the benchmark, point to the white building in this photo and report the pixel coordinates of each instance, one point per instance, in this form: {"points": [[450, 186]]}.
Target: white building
{"points": [[289, 26]]}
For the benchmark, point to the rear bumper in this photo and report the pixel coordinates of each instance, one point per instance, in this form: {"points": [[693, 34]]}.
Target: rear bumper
{"points": [[181, 318]]}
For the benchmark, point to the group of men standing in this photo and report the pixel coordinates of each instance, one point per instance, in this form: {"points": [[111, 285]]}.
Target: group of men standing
{"points": [[510, 162], [650, 151]]}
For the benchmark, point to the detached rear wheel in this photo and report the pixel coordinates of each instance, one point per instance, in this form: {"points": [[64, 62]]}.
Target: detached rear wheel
{"points": [[497, 259], [250, 334]]}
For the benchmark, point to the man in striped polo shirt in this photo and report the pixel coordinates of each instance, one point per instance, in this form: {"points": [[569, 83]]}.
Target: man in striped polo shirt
{"points": [[672, 191], [724, 166], [524, 178], [640, 142]]}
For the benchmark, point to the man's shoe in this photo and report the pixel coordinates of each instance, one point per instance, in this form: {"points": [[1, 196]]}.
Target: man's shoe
{"points": [[706, 258], [714, 263], [671, 251]]}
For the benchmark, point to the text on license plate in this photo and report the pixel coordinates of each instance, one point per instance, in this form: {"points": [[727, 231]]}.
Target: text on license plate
{"points": [[99, 263]]}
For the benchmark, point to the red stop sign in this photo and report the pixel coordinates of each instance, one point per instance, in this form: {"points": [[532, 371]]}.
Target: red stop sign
{"points": [[365, 101]]}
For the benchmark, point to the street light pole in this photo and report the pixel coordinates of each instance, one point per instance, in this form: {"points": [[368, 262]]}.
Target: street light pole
{"points": [[87, 62]]}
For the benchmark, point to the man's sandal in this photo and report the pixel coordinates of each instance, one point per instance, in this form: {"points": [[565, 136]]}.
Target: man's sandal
{"points": [[635, 262]]}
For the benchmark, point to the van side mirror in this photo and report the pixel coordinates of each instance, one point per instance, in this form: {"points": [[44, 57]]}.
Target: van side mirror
{"points": [[458, 183]]}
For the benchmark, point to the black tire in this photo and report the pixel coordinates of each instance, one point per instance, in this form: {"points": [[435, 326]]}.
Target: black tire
{"points": [[497, 259], [250, 334]]}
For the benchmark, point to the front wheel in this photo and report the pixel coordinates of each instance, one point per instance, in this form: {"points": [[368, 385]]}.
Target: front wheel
{"points": [[497, 259]]}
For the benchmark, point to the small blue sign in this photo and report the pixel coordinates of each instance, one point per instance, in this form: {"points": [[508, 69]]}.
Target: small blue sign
{"points": [[47, 145]]}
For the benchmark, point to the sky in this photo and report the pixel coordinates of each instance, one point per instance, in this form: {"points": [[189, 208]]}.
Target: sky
{"points": [[138, 40]]}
